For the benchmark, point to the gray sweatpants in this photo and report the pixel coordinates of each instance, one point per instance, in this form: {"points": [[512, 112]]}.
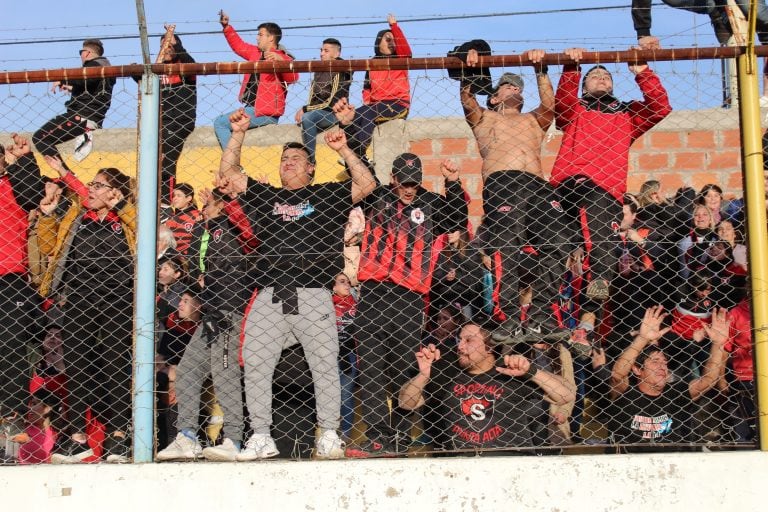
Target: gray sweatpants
{"points": [[268, 331], [199, 361]]}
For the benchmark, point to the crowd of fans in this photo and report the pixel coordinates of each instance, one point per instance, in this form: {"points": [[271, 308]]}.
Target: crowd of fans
{"points": [[573, 292]]}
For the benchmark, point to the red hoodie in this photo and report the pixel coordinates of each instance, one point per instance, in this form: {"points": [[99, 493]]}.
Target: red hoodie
{"points": [[270, 93]]}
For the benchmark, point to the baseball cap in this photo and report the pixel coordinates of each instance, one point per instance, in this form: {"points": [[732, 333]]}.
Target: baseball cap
{"points": [[407, 168], [510, 78]]}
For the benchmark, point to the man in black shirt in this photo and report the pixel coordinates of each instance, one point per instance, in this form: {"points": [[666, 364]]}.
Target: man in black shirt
{"points": [[477, 403], [650, 410], [300, 230]]}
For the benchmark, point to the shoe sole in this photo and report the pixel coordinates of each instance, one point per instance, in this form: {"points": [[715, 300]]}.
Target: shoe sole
{"points": [[182, 458], [251, 458], [118, 459], [352, 453], [332, 455], [219, 456], [58, 458]]}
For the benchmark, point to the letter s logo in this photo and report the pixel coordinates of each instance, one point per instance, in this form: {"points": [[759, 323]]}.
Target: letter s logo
{"points": [[477, 412]]}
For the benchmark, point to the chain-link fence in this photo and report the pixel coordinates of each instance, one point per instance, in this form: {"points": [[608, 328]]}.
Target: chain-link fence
{"points": [[538, 262]]}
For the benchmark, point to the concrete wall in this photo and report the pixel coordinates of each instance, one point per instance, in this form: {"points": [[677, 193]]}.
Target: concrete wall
{"points": [[675, 482]]}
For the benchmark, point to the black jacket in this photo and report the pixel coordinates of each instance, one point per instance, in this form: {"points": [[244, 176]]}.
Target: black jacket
{"points": [[91, 97]]}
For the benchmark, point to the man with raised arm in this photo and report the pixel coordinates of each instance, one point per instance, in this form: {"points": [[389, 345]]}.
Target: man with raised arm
{"points": [[520, 206], [590, 171], [300, 227], [650, 409], [262, 94], [482, 401]]}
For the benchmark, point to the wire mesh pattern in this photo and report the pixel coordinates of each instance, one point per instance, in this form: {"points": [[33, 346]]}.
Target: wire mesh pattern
{"points": [[542, 263]]}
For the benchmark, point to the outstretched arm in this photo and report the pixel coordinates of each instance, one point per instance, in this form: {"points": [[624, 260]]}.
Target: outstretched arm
{"points": [[363, 182], [230, 159], [473, 112], [545, 112], [717, 332]]}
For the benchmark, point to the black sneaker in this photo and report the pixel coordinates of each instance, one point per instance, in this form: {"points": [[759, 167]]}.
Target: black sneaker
{"points": [[72, 452], [117, 449], [509, 333], [371, 448], [545, 331], [721, 25]]}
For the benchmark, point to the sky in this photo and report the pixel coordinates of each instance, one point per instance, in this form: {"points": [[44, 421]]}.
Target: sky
{"points": [[47, 34]]}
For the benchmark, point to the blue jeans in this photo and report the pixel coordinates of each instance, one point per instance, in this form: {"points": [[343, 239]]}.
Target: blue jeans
{"points": [[224, 131], [347, 380], [313, 122]]}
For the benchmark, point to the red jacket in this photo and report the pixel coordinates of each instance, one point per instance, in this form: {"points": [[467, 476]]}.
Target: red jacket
{"points": [[739, 342], [596, 144], [270, 94], [390, 85]]}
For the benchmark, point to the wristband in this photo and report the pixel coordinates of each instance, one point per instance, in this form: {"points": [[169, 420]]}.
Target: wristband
{"points": [[532, 371]]}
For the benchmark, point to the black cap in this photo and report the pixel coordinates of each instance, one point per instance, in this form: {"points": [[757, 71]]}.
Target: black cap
{"points": [[407, 168]]}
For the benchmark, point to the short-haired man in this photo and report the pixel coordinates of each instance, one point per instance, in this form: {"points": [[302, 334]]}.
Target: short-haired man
{"points": [[326, 89], [262, 94], [650, 409], [482, 402], [397, 259], [519, 204], [299, 226], [590, 171], [88, 105]]}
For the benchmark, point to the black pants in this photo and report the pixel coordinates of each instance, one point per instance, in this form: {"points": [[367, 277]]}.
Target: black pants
{"points": [[59, 129], [523, 210], [98, 355], [174, 134], [19, 315], [602, 213], [388, 329]]}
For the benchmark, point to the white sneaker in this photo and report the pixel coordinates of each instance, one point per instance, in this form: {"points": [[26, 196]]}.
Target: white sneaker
{"points": [[83, 146], [258, 446], [182, 448], [225, 452], [329, 446]]}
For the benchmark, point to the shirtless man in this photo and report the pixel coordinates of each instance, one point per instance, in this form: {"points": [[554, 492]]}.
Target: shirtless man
{"points": [[520, 206]]}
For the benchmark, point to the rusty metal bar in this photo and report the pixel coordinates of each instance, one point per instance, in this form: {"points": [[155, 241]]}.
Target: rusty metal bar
{"points": [[215, 68]]}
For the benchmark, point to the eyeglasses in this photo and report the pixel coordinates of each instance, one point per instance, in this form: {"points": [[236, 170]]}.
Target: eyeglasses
{"points": [[83, 51], [97, 185]]}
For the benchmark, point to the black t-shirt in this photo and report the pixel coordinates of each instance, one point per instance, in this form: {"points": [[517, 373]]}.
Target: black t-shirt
{"points": [[300, 231], [639, 418], [489, 410]]}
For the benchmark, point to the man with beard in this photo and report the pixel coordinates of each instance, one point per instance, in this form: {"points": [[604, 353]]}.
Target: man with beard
{"points": [[483, 402]]}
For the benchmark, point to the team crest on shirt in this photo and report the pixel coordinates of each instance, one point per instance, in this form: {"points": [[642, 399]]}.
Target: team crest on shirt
{"points": [[478, 411], [615, 227], [504, 209], [188, 227], [117, 227], [417, 216], [217, 235], [556, 206]]}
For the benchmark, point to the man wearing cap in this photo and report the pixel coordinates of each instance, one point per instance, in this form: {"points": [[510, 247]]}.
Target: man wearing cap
{"points": [[86, 109], [397, 258], [520, 206], [590, 171]]}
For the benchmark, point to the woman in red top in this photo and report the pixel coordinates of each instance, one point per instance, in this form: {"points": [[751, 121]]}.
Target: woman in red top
{"points": [[386, 93]]}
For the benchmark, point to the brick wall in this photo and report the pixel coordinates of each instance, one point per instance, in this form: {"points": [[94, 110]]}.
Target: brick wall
{"points": [[686, 149]]}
